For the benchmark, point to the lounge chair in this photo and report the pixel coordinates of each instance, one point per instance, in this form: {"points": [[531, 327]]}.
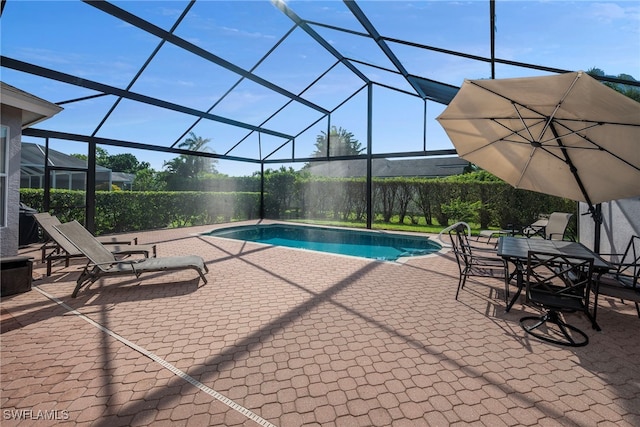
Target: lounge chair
{"points": [[552, 228], [42, 217], [490, 234], [59, 248], [557, 225], [536, 228], [102, 263]]}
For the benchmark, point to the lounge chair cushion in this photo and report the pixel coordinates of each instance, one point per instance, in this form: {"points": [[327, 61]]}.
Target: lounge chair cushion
{"points": [[155, 264]]}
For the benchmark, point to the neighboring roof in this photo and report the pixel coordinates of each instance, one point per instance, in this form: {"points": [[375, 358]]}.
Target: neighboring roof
{"points": [[122, 177], [34, 109], [385, 168], [32, 160]]}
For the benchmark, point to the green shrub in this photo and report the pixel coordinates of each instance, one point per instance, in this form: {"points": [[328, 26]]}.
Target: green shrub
{"points": [[487, 202], [120, 211], [462, 211]]}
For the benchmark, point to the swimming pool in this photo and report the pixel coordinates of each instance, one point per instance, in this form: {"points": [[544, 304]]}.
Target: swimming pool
{"points": [[365, 244]]}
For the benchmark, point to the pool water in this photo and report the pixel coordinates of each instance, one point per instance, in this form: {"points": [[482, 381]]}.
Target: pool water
{"points": [[365, 244]]}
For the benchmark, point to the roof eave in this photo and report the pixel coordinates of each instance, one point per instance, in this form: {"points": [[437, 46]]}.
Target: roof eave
{"points": [[34, 109]]}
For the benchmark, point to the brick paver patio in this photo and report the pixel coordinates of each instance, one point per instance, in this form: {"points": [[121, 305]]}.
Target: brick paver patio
{"points": [[289, 337]]}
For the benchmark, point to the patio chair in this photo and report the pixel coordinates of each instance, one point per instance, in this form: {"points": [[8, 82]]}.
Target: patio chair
{"points": [[41, 217], [557, 283], [59, 248], [491, 234], [102, 263], [536, 228], [623, 282], [552, 228], [475, 261], [45, 219]]}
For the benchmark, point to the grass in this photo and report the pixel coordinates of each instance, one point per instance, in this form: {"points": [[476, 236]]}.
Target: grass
{"points": [[392, 226]]}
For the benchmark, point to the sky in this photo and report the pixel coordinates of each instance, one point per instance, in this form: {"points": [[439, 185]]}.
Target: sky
{"points": [[79, 39]]}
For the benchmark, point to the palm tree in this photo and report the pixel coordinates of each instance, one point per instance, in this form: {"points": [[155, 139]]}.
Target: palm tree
{"points": [[341, 143], [192, 166]]}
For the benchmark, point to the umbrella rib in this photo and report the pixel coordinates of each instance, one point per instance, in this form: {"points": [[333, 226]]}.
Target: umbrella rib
{"points": [[517, 131], [598, 147], [526, 166], [573, 132], [506, 98], [598, 122], [593, 124], [549, 152], [527, 128], [555, 110]]}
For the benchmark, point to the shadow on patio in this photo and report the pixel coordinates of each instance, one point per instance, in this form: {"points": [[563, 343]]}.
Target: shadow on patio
{"points": [[290, 337]]}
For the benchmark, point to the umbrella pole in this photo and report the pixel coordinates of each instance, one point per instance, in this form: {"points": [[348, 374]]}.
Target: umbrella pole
{"points": [[597, 219], [596, 213]]}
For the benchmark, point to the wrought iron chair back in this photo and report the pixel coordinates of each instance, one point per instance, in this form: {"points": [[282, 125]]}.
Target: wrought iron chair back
{"points": [[557, 283], [475, 261], [629, 264], [623, 283]]}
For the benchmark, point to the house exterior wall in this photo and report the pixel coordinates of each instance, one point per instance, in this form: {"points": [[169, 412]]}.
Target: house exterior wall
{"points": [[12, 118], [621, 220]]}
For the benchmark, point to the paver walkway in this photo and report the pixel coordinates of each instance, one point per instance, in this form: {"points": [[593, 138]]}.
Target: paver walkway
{"points": [[288, 337]]}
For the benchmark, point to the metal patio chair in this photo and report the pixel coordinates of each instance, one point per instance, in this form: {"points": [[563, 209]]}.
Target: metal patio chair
{"points": [[557, 284], [623, 282], [475, 261]]}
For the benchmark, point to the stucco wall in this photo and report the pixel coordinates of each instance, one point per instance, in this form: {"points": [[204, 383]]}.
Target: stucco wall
{"points": [[621, 220], [12, 118]]}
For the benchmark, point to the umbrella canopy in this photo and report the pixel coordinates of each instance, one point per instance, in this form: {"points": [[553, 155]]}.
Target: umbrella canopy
{"points": [[566, 135]]}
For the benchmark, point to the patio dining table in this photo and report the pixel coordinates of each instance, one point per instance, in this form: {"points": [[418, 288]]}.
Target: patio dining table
{"points": [[516, 249]]}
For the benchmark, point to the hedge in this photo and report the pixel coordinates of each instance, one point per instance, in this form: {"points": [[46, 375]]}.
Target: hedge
{"points": [[438, 201], [120, 211]]}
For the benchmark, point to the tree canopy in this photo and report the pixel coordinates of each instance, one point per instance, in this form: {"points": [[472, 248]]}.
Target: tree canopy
{"points": [[192, 166], [126, 162], [340, 142], [632, 92]]}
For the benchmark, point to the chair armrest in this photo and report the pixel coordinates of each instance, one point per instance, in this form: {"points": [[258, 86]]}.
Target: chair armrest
{"points": [[610, 254], [556, 234], [624, 264], [624, 268], [481, 248], [494, 259], [534, 230]]}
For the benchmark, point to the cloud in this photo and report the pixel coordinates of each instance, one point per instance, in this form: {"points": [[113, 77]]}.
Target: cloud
{"points": [[610, 12], [166, 11], [248, 34], [46, 56]]}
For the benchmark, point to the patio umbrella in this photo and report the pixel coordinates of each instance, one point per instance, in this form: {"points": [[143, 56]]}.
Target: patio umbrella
{"points": [[566, 135]]}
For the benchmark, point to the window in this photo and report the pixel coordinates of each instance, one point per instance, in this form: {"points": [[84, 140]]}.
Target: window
{"points": [[4, 157]]}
